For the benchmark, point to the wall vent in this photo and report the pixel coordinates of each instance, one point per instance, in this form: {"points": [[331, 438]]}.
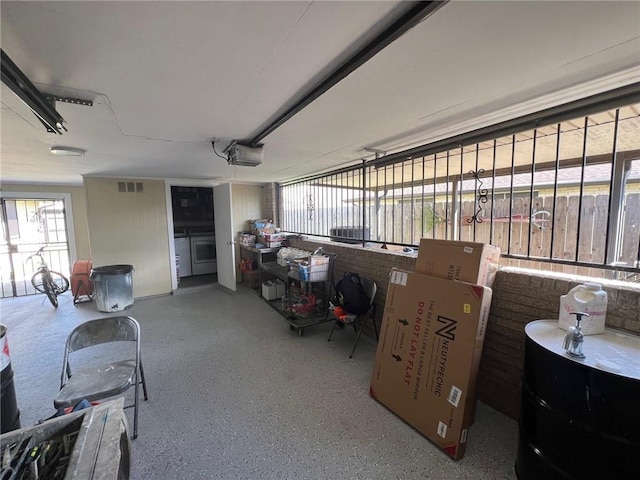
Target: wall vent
{"points": [[124, 187]]}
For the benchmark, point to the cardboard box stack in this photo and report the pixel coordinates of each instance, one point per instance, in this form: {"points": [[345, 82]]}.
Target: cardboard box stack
{"points": [[267, 234], [431, 340]]}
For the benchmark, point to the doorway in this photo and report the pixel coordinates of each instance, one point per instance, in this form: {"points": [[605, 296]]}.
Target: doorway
{"points": [[194, 235], [27, 225]]}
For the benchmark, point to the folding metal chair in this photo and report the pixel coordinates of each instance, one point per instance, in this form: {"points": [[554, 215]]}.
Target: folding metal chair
{"points": [[114, 371], [358, 323]]}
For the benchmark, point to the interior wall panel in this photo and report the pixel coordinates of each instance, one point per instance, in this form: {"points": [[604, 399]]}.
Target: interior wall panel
{"points": [[130, 227], [248, 204]]}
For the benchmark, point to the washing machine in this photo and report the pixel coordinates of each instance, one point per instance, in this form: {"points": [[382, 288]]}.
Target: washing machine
{"points": [[183, 248]]}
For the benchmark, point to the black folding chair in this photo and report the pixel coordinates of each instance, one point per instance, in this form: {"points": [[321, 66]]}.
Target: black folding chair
{"points": [[370, 288]]}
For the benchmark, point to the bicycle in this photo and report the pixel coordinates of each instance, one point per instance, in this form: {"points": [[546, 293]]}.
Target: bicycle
{"points": [[47, 281]]}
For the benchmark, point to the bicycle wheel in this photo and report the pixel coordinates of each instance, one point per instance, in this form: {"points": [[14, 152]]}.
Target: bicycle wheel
{"points": [[50, 289], [38, 282], [59, 282]]}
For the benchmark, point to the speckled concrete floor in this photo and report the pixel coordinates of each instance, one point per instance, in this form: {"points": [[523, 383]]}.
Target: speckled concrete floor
{"points": [[236, 394]]}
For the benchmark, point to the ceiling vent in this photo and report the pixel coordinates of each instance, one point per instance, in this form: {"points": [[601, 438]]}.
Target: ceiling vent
{"points": [[244, 155]]}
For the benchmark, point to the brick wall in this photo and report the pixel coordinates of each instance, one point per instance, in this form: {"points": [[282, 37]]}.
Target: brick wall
{"points": [[518, 298], [372, 264], [269, 206]]}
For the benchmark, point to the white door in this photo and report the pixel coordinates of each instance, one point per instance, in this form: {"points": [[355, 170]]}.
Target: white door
{"points": [[226, 254]]}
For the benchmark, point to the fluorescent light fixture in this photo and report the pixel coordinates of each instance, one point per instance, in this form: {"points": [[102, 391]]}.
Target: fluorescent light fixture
{"points": [[67, 151]]}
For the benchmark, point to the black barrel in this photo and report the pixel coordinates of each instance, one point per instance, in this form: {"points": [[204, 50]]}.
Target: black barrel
{"points": [[9, 413], [577, 422]]}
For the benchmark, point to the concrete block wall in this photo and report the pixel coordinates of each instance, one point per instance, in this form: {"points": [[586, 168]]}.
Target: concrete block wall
{"points": [[519, 297]]}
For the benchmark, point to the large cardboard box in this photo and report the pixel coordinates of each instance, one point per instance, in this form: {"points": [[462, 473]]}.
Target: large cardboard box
{"points": [[457, 260], [429, 354]]}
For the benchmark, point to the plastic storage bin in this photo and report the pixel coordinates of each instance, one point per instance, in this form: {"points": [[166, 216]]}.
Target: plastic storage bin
{"points": [[113, 287]]}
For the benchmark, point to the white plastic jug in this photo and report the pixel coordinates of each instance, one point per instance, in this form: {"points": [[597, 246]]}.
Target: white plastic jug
{"points": [[587, 298]]}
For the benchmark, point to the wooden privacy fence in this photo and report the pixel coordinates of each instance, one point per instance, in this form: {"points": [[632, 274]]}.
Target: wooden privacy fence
{"points": [[512, 227], [509, 228]]}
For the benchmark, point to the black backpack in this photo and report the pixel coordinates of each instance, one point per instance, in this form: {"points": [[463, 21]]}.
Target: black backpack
{"points": [[350, 295]]}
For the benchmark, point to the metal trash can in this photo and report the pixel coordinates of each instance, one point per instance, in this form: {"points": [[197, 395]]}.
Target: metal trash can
{"points": [[9, 413], [113, 287]]}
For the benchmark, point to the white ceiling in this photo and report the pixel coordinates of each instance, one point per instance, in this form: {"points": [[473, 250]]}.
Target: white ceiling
{"points": [[167, 77]]}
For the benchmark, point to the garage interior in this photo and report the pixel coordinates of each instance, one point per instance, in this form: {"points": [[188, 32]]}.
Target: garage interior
{"points": [[157, 94]]}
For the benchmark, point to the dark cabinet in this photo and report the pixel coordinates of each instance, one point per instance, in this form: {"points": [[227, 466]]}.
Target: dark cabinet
{"points": [[192, 206]]}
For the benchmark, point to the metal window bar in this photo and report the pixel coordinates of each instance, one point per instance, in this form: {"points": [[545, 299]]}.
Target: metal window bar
{"points": [[292, 211], [393, 204], [341, 200], [413, 166], [609, 257], [555, 191], [533, 173], [380, 193], [344, 196], [513, 164], [363, 203], [433, 207], [349, 212], [383, 233], [325, 204], [422, 203], [477, 193], [446, 203], [584, 166], [402, 219], [300, 209], [493, 186], [460, 189], [355, 218]]}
